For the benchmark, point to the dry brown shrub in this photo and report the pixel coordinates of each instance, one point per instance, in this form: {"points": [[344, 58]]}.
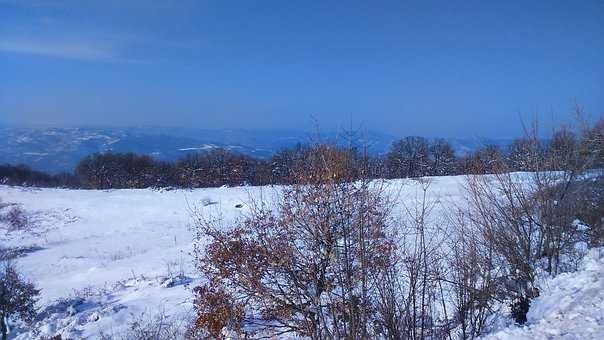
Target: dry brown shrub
{"points": [[308, 267]]}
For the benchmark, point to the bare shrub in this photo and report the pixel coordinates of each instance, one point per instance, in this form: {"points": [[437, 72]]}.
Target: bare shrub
{"points": [[527, 220], [309, 268], [472, 278], [176, 269], [17, 297], [16, 219], [419, 270], [154, 326], [504, 215], [589, 199]]}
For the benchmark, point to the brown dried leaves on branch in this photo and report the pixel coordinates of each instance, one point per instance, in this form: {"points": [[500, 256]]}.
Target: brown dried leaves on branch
{"points": [[309, 267]]}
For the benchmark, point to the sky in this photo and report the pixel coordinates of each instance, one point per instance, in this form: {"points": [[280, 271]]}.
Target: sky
{"points": [[431, 68]]}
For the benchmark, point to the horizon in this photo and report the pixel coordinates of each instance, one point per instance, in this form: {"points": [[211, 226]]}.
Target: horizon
{"points": [[308, 131]]}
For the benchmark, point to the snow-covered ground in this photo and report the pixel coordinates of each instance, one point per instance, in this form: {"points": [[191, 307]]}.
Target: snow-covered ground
{"points": [[104, 257], [571, 306]]}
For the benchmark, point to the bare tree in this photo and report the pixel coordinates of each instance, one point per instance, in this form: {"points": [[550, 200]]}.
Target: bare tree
{"points": [[592, 142], [310, 268], [522, 154], [442, 158], [408, 157]]}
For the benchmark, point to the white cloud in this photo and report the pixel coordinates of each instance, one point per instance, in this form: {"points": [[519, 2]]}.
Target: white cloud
{"points": [[69, 50]]}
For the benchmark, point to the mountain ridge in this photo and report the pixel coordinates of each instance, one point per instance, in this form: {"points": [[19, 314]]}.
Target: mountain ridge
{"points": [[56, 150]]}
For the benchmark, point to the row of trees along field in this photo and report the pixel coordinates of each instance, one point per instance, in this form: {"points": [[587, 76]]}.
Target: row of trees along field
{"points": [[409, 157], [23, 175]]}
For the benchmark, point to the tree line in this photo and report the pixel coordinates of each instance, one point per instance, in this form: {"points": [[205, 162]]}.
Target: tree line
{"points": [[409, 157], [23, 175]]}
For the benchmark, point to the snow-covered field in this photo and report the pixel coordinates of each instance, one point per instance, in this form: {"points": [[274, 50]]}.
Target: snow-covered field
{"points": [[104, 257]]}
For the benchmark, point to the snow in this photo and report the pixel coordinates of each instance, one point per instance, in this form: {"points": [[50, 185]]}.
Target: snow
{"points": [[570, 306], [102, 257], [124, 251]]}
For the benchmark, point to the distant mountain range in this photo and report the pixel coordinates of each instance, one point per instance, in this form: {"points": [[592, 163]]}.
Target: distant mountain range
{"points": [[57, 150]]}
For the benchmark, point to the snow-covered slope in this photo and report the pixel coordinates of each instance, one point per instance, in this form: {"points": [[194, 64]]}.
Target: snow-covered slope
{"points": [[101, 257], [571, 306], [104, 257]]}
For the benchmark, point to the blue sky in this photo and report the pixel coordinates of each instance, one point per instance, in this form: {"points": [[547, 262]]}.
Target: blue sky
{"points": [[433, 68]]}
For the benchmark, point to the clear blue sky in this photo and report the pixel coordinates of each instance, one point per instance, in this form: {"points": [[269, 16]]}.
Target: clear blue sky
{"points": [[449, 68]]}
